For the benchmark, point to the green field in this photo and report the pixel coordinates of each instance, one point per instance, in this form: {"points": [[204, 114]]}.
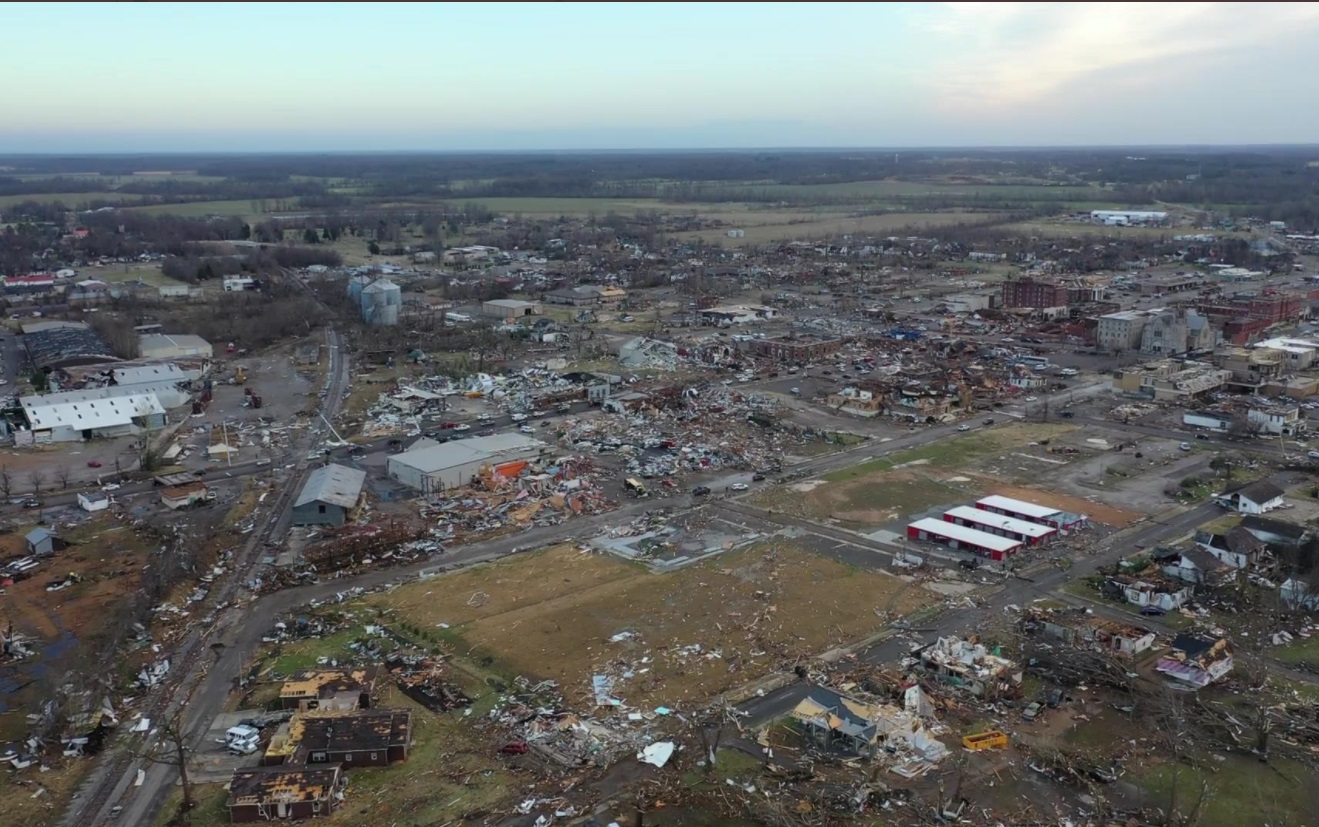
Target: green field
{"points": [[201, 209], [554, 207], [128, 272], [70, 199], [909, 189]]}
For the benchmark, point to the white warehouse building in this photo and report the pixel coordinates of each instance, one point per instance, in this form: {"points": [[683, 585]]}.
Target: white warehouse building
{"points": [[431, 467], [72, 416]]}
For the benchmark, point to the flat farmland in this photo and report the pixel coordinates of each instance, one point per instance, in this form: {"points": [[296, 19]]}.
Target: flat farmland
{"points": [[69, 199], [761, 227], [200, 209], [691, 634]]}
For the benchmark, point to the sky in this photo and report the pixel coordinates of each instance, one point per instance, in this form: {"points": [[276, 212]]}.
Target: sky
{"points": [[294, 77]]}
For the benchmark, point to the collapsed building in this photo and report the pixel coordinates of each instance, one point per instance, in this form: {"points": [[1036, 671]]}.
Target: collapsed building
{"points": [[872, 730], [970, 666]]}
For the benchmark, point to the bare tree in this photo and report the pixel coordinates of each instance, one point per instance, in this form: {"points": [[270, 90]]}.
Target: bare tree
{"points": [[172, 751], [6, 481], [62, 474], [36, 478]]}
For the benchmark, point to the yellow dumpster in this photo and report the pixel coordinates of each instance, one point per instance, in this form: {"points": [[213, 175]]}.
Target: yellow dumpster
{"points": [[985, 740]]}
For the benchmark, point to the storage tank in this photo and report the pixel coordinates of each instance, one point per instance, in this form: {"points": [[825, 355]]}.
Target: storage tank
{"points": [[382, 300], [355, 286]]}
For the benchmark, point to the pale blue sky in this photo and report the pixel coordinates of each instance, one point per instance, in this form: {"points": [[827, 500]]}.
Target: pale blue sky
{"points": [[323, 77]]}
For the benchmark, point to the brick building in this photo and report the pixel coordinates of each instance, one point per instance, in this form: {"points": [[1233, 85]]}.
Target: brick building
{"points": [[1032, 293], [796, 349]]}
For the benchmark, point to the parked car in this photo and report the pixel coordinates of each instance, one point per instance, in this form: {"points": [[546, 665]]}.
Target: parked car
{"points": [[963, 427], [462, 427], [739, 486], [989, 420], [1033, 711], [970, 564], [700, 490], [1153, 611], [444, 425], [526, 429], [111, 486], [1054, 698], [1185, 446], [32, 503], [1205, 437], [1067, 414], [757, 477], [93, 463], [795, 391]]}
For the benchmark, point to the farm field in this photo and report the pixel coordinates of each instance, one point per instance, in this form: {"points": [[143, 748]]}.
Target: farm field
{"points": [[200, 209], [69, 199], [699, 631], [761, 227]]}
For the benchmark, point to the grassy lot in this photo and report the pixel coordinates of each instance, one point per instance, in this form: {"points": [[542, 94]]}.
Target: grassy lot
{"points": [[1240, 791], [551, 615], [59, 784], [114, 273], [210, 810], [1300, 652]]}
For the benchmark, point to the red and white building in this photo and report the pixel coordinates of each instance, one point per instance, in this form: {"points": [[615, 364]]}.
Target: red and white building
{"points": [[1023, 531], [963, 537], [1032, 513]]}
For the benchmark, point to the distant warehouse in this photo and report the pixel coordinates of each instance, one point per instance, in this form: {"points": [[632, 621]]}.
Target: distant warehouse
{"points": [[173, 346], [431, 467]]}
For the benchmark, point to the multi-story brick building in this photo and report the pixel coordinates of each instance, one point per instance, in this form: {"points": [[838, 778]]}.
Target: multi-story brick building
{"points": [[1032, 293], [796, 349]]}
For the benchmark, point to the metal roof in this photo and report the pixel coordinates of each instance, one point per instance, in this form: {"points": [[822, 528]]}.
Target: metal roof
{"points": [[89, 409], [992, 520], [962, 534], [435, 458], [53, 347], [140, 374], [1018, 506], [333, 484]]}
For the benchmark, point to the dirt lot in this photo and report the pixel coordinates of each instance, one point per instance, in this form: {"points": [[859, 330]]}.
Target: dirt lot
{"points": [[551, 615]]}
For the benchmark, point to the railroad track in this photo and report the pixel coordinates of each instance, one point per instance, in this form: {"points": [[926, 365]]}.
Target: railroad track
{"points": [[100, 805]]}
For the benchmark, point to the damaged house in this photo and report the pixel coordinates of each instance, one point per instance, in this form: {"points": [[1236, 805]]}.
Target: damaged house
{"points": [[1197, 660], [836, 721], [1195, 566], [1238, 548], [968, 665], [357, 738], [267, 793], [328, 689], [1085, 631], [1148, 590]]}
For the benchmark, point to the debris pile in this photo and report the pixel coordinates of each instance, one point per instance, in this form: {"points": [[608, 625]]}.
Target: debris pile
{"points": [[422, 678]]}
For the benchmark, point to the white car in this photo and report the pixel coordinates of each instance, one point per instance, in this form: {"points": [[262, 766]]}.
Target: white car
{"points": [[526, 429], [739, 486], [463, 427], [111, 486], [963, 427], [518, 417]]}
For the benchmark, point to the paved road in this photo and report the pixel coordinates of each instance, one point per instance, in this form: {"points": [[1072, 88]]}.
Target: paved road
{"points": [[111, 784], [241, 627]]}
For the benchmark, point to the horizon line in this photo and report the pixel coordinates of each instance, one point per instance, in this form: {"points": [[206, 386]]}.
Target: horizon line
{"points": [[659, 151]]}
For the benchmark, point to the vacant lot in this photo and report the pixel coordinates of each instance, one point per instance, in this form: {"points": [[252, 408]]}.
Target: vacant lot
{"points": [[693, 633], [881, 491]]}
